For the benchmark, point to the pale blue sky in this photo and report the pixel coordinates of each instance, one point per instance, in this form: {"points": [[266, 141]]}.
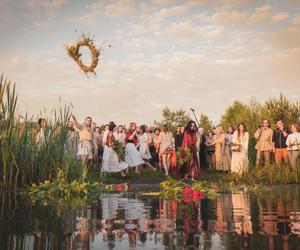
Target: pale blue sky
{"points": [[181, 54]]}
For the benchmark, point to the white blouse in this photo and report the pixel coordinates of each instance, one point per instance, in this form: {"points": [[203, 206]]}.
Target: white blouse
{"points": [[242, 140], [293, 141]]}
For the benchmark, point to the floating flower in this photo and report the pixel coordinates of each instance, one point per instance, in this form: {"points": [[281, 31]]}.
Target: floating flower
{"points": [[120, 188]]}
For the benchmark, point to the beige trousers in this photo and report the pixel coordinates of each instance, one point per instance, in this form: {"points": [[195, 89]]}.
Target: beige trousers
{"points": [[293, 155], [266, 155]]}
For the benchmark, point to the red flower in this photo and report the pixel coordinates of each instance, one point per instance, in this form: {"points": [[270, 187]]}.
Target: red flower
{"points": [[186, 199], [120, 188], [186, 191], [195, 195]]}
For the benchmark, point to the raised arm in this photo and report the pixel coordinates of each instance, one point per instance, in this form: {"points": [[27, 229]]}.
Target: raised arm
{"points": [[76, 123]]}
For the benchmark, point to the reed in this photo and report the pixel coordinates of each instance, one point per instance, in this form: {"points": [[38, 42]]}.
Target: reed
{"points": [[22, 160]]}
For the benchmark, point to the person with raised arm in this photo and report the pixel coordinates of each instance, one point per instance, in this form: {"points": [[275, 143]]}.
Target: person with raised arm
{"points": [[87, 145]]}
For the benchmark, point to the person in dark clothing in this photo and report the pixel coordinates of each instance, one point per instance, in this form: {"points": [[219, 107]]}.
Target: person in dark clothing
{"points": [[280, 135], [178, 137]]}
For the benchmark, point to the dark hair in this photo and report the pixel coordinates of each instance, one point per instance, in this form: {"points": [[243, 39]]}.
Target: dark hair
{"points": [[238, 128], [231, 128], [40, 120], [188, 127], [111, 126], [156, 129], [165, 128], [296, 125], [279, 120], [88, 117], [143, 128]]}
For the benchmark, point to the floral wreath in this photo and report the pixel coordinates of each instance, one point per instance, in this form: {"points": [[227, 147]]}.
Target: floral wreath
{"points": [[73, 52], [183, 155]]}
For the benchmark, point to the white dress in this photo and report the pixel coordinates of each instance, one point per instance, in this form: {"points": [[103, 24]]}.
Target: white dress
{"points": [[239, 160], [132, 156], [110, 161], [144, 149]]}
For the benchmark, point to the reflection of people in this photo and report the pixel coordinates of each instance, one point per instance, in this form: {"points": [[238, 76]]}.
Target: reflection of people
{"points": [[239, 161], [241, 213]]}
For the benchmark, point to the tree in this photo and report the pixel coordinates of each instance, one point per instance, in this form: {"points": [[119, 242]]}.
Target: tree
{"points": [[205, 123], [173, 118]]}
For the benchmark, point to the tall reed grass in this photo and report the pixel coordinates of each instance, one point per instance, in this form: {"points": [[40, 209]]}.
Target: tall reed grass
{"points": [[22, 161]]}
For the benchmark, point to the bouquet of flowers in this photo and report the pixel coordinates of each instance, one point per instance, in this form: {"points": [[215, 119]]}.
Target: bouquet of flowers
{"points": [[183, 155], [119, 149], [236, 147]]}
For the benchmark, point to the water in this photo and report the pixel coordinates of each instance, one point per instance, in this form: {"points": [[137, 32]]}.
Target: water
{"points": [[239, 220]]}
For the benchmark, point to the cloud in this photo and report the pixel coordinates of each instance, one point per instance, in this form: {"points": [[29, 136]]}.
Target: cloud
{"points": [[260, 15], [284, 39], [279, 17], [47, 7], [296, 20], [104, 8]]}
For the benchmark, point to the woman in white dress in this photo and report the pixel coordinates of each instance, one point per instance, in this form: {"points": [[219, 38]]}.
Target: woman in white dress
{"points": [[132, 156], [110, 161], [239, 161]]}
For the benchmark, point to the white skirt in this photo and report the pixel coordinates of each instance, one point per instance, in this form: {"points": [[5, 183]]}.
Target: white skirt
{"points": [[144, 151], [132, 156], [110, 161], [85, 148], [239, 162]]}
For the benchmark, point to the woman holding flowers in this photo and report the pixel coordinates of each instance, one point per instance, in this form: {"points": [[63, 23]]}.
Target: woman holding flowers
{"points": [[191, 142], [239, 147], [110, 160]]}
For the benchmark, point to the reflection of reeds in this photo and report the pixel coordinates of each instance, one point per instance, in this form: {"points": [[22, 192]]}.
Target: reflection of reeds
{"points": [[22, 161]]}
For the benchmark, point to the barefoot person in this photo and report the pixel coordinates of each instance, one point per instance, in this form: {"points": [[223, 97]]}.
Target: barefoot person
{"points": [[133, 157], [110, 160], [86, 146]]}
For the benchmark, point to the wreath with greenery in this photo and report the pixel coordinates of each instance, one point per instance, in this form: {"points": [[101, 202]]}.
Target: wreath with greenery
{"points": [[183, 156], [119, 149], [73, 52]]}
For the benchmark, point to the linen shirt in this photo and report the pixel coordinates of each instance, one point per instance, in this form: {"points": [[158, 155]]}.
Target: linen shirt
{"points": [[294, 139]]}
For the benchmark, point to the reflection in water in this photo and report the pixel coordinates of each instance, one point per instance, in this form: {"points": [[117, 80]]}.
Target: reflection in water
{"points": [[233, 221]]}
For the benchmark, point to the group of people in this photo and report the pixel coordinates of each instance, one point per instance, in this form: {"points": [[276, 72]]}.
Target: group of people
{"points": [[157, 147], [143, 146], [282, 144]]}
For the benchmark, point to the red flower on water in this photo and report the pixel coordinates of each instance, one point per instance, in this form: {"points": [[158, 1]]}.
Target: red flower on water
{"points": [[120, 188], [186, 191], [186, 199]]}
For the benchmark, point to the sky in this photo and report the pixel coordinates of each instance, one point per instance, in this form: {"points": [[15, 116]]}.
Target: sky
{"points": [[201, 54]]}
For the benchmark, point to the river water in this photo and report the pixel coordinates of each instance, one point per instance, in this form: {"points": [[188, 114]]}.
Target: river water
{"points": [[238, 220]]}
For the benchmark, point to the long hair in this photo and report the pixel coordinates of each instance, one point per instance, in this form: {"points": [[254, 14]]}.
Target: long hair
{"points": [[165, 128], [238, 128], [143, 128], [130, 126], [188, 127]]}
